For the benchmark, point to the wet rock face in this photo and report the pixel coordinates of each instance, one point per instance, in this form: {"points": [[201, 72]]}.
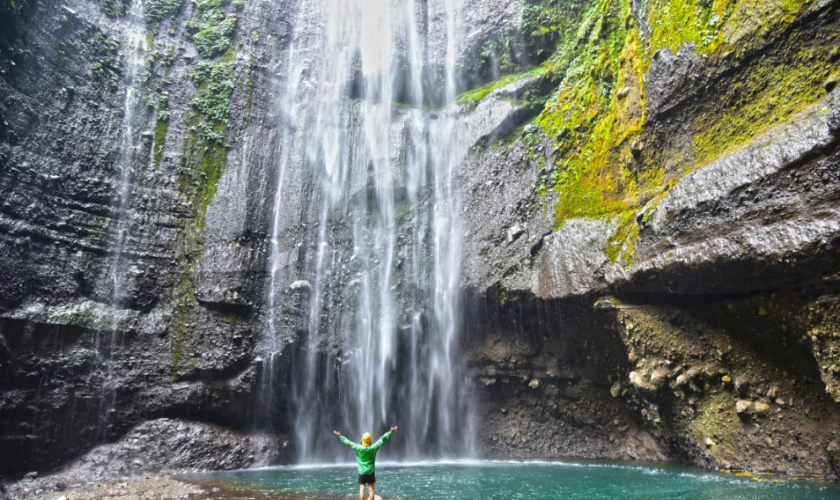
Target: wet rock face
{"points": [[713, 297], [65, 388], [134, 250], [734, 383], [105, 318], [546, 378]]}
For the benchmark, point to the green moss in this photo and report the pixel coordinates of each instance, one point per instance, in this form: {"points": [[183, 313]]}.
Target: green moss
{"points": [[10, 7], [498, 54], [161, 128], [712, 24], [476, 95], [545, 24], [228, 317], [766, 95], [769, 92], [82, 316], [616, 241], [202, 165], [585, 117], [204, 151], [169, 60], [402, 210], [185, 294], [249, 91], [156, 11], [622, 242], [597, 114]]}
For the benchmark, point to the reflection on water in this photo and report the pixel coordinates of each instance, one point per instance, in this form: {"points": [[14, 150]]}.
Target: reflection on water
{"points": [[509, 480]]}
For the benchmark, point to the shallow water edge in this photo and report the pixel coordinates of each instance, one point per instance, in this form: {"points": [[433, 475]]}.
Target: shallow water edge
{"points": [[512, 479]]}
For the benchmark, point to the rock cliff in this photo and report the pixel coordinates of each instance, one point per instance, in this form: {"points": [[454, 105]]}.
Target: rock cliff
{"points": [[654, 259], [650, 200]]}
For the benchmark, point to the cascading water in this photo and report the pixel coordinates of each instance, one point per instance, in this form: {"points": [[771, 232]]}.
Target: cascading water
{"points": [[380, 244], [127, 155]]}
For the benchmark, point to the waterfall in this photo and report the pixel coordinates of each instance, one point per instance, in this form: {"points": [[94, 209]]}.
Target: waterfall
{"points": [[127, 154], [366, 213]]}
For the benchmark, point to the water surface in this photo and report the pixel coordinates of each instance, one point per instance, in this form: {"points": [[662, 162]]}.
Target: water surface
{"points": [[513, 480]]}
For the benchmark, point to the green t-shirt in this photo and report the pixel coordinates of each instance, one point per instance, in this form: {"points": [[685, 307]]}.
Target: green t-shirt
{"points": [[366, 455]]}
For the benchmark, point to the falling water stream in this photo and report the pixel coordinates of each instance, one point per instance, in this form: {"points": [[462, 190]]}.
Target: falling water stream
{"points": [[127, 155], [381, 237]]}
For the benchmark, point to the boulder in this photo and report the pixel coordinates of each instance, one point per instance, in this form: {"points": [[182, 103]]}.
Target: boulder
{"points": [[660, 377], [761, 409], [742, 385], [640, 382], [743, 408]]}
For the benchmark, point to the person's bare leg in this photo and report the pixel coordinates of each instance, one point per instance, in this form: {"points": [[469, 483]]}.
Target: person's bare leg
{"points": [[372, 495], [361, 492]]}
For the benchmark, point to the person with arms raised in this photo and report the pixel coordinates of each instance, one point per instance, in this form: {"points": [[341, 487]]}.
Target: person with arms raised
{"points": [[366, 458]]}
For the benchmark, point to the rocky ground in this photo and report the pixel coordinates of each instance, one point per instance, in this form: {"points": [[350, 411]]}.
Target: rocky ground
{"points": [[155, 486], [154, 447]]}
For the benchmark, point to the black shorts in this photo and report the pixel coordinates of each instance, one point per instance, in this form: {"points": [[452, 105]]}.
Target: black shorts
{"points": [[367, 478]]}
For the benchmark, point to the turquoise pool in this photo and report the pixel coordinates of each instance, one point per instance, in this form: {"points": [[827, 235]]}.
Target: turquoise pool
{"points": [[492, 480]]}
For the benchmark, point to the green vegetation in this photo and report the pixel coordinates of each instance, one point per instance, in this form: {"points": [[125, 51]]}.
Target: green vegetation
{"points": [[215, 34], [545, 24], [709, 25], [598, 58], [161, 127], [585, 117], [105, 44], [111, 9], [212, 29], [92, 318], [476, 95], [202, 165], [623, 238], [186, 295], [750, 105], [106, 68], [157, 11], [215, 88], [204, 150], [498, 55]]}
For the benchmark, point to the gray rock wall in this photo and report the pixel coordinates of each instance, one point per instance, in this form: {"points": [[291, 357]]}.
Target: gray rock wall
{"points": [[727, 271], [182, 332]]}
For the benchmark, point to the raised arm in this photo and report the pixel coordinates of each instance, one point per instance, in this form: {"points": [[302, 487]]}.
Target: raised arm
{"points": [[346, 441], [384, 438]]}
